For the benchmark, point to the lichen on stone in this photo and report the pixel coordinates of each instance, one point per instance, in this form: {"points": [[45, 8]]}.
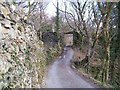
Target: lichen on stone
{"points": [[22, 56]]}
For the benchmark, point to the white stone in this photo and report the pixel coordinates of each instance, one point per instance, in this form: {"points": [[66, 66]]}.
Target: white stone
{"points": [[0, 32], [4, 30], [13, 7], [4, 10], [7, 23], [1, 1], [12, 33]]}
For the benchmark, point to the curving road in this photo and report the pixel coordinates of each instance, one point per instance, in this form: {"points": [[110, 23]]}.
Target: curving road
{"points": [[60, 74]]}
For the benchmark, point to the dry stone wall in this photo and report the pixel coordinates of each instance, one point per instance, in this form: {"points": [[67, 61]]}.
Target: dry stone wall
{"points": [[22, 57]]}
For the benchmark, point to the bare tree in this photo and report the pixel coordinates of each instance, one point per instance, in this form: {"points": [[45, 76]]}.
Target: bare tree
{"points": [[86, 25], [105, 9]]}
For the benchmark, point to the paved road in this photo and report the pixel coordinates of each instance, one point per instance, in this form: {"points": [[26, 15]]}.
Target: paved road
{"points": [[60, 75]]}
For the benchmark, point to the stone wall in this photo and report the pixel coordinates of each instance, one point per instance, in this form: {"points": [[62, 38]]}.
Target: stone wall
{"points": [[68, 39], [22, 57]]}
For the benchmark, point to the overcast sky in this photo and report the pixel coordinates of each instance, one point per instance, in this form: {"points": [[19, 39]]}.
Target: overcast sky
{"points": [[51, 10]]}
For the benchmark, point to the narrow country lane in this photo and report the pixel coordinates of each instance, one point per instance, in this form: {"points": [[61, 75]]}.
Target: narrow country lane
{"points": [[60, 75]]}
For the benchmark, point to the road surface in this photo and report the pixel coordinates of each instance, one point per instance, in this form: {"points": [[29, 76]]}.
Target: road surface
{"points": [[61, 75]]}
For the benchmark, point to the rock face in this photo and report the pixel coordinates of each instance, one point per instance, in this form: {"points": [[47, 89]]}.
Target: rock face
{"points": [[22, 57]]}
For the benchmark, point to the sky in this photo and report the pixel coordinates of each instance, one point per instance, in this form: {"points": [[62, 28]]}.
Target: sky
{"points": [[51, 10]]}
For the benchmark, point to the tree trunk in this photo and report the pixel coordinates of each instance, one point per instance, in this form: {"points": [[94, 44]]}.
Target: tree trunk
{"points": [[107, 62], [57, 18], [89, 53]]}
